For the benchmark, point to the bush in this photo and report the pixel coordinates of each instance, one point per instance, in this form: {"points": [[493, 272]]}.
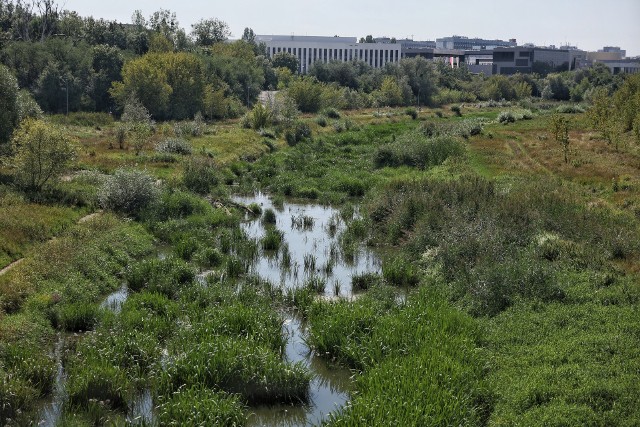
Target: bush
{"points": [[412, 112], [128, 192], [456, 110], [200, 175], [174, 146], [298, 132], [331, 113], [321, 121], [570, 109], [506, 117]]}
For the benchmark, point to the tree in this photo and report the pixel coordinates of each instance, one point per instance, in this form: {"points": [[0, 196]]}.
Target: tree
{"points": [[603, 116], [248, 35], [137, 122], [560, 130], [390, 92], [307, 92], [209, 31], [286, 60], [8, 103], [41, 153]]}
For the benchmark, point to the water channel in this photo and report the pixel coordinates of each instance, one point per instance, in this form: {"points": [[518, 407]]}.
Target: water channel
{"points": [[310, 232]]}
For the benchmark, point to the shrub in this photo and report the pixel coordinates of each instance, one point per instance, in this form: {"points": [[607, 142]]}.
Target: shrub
{"points": [[412, 112], [200, 175], [174, 146], [298, 132], [570, 109], [128, 192], [506, 117], [331, 113], [321, 121], [456, 110]]}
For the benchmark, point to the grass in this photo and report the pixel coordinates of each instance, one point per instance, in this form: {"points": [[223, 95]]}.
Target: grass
{"points": [[523, 273], [24, 224]]}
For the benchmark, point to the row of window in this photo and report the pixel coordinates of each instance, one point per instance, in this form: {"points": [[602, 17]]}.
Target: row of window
{"points": [[307, 56]]}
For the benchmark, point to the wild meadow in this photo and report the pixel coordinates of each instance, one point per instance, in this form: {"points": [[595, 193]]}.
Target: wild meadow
{"points": [[507, 292]]}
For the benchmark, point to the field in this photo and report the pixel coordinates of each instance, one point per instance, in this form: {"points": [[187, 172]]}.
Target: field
{"points": [[508, 291]]}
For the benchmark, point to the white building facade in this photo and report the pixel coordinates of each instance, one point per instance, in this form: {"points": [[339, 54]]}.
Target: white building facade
{"points": [[311, 49]]}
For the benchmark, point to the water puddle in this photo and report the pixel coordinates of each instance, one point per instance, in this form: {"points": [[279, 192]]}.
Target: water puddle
{"points": [[310, 250], [115, 300]]}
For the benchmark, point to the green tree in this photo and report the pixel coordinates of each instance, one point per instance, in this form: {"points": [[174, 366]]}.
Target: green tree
{"points": [[8, 103], [603, 117], [391, 92], [560, 130], [307, 93], [41, 154], [286, 60], [209, 31], [170, 85]]}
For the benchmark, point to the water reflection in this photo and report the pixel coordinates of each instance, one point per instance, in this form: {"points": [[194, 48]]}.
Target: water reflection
{"points": [[310, 249]]}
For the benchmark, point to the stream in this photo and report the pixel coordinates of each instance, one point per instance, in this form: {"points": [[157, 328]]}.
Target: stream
{"points": [[309, 232], [311, 241]]}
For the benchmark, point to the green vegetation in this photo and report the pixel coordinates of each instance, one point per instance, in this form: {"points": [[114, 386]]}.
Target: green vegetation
{"points": [[505, 218]]}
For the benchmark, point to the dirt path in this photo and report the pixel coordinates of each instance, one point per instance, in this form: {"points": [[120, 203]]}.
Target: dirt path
{"points": [[19, 261]]}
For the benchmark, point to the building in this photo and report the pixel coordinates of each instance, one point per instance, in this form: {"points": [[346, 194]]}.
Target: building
{"points": [[534, 60], [312, 49], [465, 43]]}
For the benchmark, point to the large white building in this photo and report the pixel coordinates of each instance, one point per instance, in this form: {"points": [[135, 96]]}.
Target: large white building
{"points": [[311, 49]]}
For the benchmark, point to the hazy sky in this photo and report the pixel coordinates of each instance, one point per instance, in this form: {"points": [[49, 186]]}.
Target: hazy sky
{"points": [[589, 24]]}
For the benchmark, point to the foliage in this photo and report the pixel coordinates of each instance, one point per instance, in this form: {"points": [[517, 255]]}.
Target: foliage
{"points": [[200, 175], [8, 104], [560, 126], [170, 85], [128, 191], [307, 93], [286, 60], [41, 154], [209, 31], [174, 146]]}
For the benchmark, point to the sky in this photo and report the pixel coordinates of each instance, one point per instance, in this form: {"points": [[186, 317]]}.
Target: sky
{"points": [[588, 24]]}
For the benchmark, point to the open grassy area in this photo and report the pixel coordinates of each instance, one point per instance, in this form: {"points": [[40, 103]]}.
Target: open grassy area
{"points": [[519, 274]]}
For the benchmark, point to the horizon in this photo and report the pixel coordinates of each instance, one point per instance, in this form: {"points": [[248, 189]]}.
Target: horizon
{"points": [[588, 25]]}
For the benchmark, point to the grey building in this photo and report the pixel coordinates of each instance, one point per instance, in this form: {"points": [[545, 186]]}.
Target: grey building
{"points": [[312, 49], [466, 43], [534, 59]]}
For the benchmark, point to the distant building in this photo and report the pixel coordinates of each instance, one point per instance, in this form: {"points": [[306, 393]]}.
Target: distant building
{"points": [[534, 59], [312, 49], [465, 43]]}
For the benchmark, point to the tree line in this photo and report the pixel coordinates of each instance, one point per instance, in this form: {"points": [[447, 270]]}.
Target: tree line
{"points": [[65, 62]]}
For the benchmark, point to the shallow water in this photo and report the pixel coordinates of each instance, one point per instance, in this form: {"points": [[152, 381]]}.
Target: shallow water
{"points": [[318, 243], [52, 410], [115, 300], [330, 387]]}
